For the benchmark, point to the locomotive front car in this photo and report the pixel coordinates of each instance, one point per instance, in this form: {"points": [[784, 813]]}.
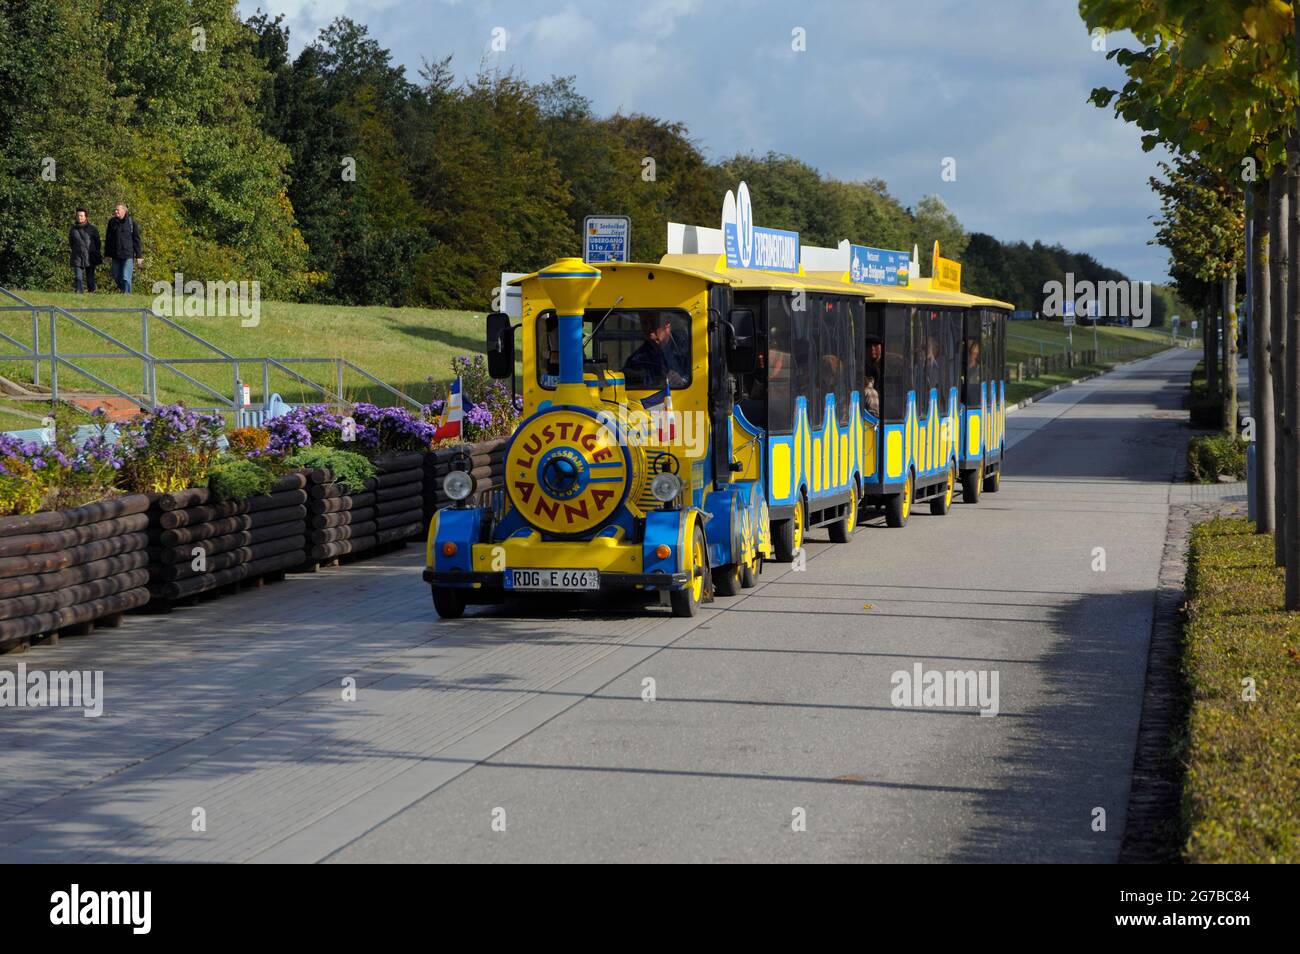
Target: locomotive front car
{"points": [[624, 472]]}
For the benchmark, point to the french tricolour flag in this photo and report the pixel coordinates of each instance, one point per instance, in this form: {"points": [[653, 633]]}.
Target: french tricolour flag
{"points": [[449, 423]]}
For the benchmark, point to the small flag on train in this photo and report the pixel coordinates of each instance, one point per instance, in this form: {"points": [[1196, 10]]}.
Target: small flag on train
{"points": [[449, 423], [667, 424]]}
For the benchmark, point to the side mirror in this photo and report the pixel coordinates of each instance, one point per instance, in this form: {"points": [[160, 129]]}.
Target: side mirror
{"points": [[500, 346], [742, 342]]}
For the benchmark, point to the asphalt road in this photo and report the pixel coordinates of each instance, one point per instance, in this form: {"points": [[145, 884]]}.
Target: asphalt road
{"points": [[525, 734]]}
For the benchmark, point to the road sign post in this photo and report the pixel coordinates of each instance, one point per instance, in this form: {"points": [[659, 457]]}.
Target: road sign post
{"points": [[606, 238]]}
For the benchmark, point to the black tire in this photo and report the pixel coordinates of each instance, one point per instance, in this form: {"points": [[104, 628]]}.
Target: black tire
{"points": [[726, 580], [972, 481], [940, 505], [749, 574], [783, 536], [898, 507], [449, 602], [686, 602], [993, 481]]}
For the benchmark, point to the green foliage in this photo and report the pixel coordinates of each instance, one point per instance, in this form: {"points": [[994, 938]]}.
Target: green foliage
{"points": [[238, 478], [1211, 456], [1242, 757], [159, 117], [1202, 225], [349, 470], [332, 178]]}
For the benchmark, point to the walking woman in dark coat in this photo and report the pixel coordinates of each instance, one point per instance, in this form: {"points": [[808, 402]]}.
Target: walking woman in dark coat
{"points": [[84, 253]]}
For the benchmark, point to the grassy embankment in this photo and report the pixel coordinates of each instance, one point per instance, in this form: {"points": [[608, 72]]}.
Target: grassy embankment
{"points": [[404, 347], [1116, 345]]}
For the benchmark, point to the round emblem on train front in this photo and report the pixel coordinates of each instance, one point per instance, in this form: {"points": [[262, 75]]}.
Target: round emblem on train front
{"points": [[566, 472]]}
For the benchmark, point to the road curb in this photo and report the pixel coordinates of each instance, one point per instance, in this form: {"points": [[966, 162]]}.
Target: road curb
{"points": [[1087, 377]]}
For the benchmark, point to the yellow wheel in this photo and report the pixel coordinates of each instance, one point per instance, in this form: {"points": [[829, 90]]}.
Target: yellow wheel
{"points": [[993, 481], [939, 505], [843, 528], [686, 601], [899, 506]]}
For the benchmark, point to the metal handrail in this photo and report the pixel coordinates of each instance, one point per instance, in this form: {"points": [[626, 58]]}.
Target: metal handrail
{"points": [[150, 362]]}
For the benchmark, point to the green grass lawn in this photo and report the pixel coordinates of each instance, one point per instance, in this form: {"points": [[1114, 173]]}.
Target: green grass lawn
{"points": [[1027, 339], [403, 347], [1241, 792]]}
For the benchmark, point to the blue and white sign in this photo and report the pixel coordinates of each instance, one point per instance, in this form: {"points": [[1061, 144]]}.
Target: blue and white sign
{"points": [[606, 238], [878, 266], [751, 246]]}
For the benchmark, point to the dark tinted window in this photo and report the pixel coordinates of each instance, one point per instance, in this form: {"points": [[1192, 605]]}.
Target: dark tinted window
{"points": [[779, 360], [898, 361], [835, 364], [804, 351], [952, 355], [922, 373]]}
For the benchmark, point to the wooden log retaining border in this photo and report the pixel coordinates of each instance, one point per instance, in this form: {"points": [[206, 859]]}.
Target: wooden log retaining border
{"points": [[237, 541], [70, 568], [387, 509]]}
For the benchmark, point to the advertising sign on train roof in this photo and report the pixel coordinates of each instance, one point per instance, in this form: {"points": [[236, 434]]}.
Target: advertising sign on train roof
{"points": [[751, 246], [878, 266]]}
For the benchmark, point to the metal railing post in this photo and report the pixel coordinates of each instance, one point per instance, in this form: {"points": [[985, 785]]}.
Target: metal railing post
{"points": [[338, 380], [36, 348], [54, 358], [144, 347], [266, 383]]}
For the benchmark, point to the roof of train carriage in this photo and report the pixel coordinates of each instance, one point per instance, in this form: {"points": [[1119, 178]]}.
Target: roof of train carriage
{"points": [[918, 293], [615, 266], [752, 279]]}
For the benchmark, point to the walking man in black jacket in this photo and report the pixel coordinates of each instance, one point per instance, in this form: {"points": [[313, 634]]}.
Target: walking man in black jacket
{"points": [[122, 246], [84, 251]]}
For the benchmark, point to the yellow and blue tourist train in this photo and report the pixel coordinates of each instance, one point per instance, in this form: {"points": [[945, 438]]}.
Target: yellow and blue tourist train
{"points": [[685, 421]]}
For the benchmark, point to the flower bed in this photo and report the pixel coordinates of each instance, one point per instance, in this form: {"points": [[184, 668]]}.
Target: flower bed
{"points": [[69, 568]]}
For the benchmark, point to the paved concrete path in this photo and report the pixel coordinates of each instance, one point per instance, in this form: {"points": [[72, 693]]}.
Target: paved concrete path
{"points": [[770, 707]]}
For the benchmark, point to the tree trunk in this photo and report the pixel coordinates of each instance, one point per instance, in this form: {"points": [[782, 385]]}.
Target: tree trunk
{"points": [[1278, 264], [1210, 347], [1230, 353], [1291, 361], [1261, 386]]}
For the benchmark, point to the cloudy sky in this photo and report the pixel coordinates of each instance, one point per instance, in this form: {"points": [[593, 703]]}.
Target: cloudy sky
{"points": [[883, 89]]}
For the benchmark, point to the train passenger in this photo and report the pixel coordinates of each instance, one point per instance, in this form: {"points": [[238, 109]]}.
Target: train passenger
{"points": [[660, 359]]}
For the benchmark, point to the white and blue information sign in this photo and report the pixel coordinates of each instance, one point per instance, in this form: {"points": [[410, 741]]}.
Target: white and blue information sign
{"points": [[751, 246], [878, 266], [606, 238]]}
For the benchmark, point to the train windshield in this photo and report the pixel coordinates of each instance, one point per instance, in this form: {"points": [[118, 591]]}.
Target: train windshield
{"points": [[651, 346]]}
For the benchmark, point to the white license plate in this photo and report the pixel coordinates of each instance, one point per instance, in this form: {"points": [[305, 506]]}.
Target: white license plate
{"points": [[552, 579]]}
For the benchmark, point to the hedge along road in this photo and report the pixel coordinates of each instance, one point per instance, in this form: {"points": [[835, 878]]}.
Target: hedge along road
{"points": [[772, 710]]}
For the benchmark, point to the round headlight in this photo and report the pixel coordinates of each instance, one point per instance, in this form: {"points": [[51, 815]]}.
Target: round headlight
{"points": [[458, 485], [665, 487]]}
